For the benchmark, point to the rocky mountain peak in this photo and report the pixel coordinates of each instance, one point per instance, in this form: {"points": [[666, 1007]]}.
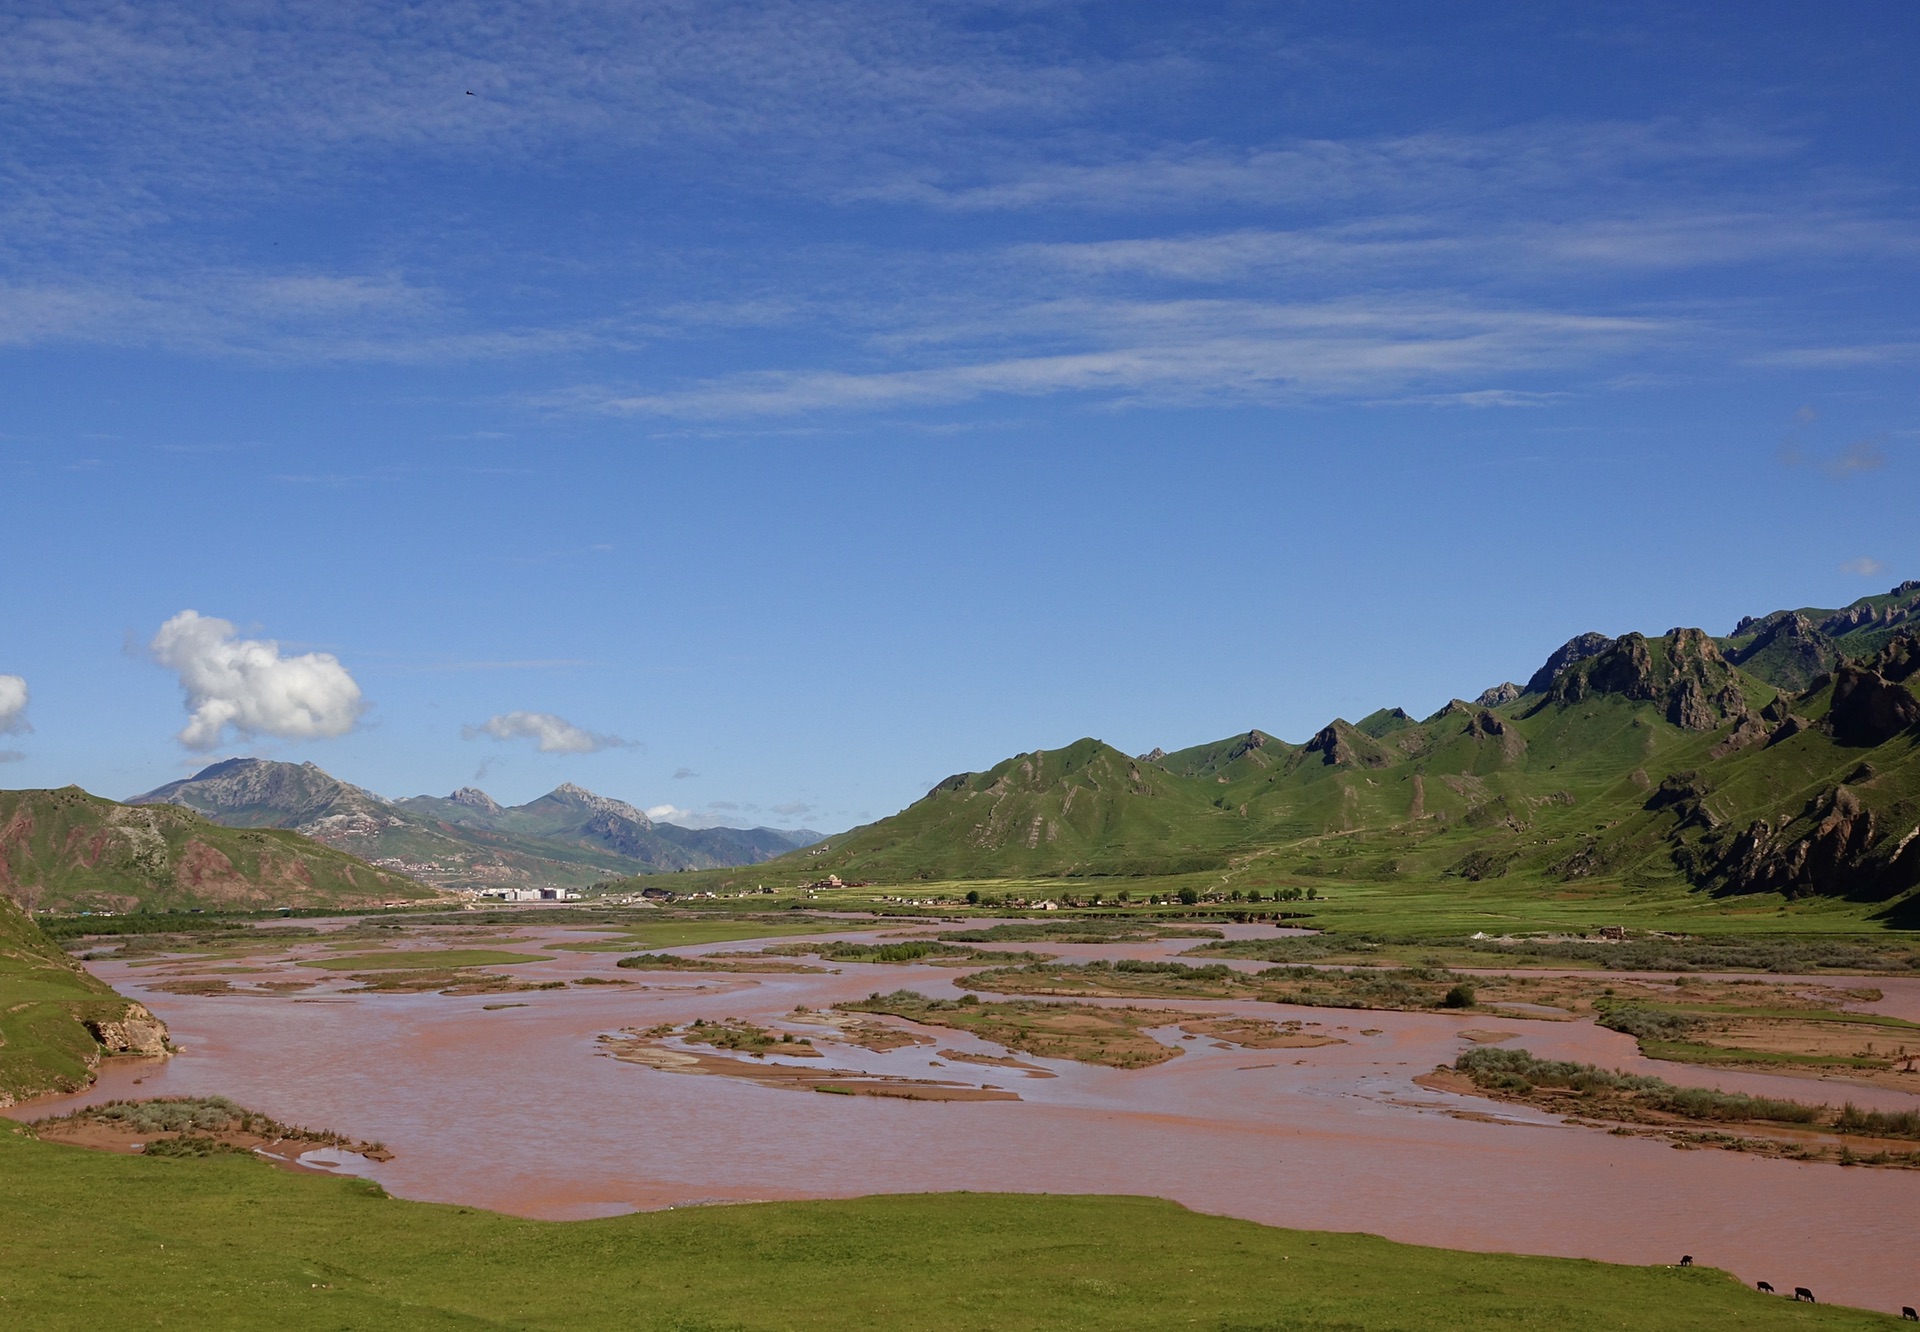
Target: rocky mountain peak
{"points": [[474, 798], [1688, 677], [1577, 649], [1500, 693], [569, 794], [262, 792]]}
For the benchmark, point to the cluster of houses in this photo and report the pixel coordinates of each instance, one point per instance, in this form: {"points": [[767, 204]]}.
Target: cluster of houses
{"points": [[530, 894]]}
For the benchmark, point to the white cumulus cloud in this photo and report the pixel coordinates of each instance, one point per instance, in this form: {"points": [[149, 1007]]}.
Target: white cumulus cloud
{"points": [[550, 734], [247, 686], [13, 705]]}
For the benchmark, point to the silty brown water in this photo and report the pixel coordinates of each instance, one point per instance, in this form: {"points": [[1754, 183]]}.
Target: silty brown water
{"points": [[515, 1109]]}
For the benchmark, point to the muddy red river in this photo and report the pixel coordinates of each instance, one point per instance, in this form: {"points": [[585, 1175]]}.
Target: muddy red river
{"points": [[517, 1108]]}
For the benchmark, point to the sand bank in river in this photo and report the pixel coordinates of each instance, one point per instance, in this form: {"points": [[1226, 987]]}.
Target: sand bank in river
{"points": [[668, 1052]]}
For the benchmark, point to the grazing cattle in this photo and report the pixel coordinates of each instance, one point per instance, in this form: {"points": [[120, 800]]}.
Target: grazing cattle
{"points": [[1906, 1312], [1764, 1285], [1802, 1293], [1686, 1260]]}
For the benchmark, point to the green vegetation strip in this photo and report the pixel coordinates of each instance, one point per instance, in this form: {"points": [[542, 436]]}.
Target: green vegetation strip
{"points": [[1517, 1072], [97, 1241], [426, 959], [681, 933], [911, 950], [1410, 988], [1087, 929]]}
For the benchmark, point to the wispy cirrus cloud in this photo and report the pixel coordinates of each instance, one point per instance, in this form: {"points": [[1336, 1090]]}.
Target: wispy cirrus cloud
{"points": [[1863, 455], [550, 734], [1180, 351], [162, 151]]}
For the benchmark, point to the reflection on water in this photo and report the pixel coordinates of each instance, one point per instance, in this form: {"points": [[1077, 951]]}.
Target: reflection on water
{"points": [[503, 1101]]}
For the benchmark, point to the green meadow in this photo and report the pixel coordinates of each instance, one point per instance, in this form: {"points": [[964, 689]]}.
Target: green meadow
{"points": [[100, 1241]]}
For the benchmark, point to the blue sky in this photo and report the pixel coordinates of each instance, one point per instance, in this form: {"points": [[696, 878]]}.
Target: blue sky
{"points": [[766, 410]]}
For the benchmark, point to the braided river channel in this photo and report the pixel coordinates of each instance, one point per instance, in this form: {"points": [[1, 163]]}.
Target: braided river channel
{"points": [[511, 1101]]}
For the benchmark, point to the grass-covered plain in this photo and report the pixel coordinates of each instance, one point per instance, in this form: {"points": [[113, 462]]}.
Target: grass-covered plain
{"points": [[94, 1240]]}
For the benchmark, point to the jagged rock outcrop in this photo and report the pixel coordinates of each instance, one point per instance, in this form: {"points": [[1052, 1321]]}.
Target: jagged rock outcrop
{"points": [[1868, 708], [1505, 692], [1575, 650], [568, 794], [135, 1031], [1696, 688], [1788, 651], [1153, 755], [1837, 854], [474, 798], [1488, 725], [1251, 741], [1340, 743], [1900, 659], [1790, 726], [1685, 793], [1747, 730]]}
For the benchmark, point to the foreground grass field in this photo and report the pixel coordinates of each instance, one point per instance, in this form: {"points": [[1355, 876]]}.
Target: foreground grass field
{"points": [[94, 1241]]}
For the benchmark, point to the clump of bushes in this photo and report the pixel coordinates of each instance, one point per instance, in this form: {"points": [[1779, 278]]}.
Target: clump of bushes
{"points": [[1648, 1024], [193, 1118], [208, 1114], [1292, 948], [1518, 1072], [1398, 987], [1078, 930], [1780, 956], [192, 1146], [1878, 1123]]}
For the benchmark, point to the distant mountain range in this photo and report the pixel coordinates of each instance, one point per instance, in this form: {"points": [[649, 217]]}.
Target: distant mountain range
{"points": [[1784, 757], [569, 837]]}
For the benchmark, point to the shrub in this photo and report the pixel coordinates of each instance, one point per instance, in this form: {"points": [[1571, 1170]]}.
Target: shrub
{"points": [[1648, 1024], [1460, 996], [1880, 1123], [1519, 1071]]}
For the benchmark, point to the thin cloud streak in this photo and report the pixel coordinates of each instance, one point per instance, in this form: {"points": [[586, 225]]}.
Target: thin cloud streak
{"points": [[1190, 351]]}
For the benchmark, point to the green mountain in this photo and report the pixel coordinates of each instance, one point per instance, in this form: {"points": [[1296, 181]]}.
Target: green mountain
{"points": [[569, 837], [1791, 648], [1629, 761], [67, 850]]}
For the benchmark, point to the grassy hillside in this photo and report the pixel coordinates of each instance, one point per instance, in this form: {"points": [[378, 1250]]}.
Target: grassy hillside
{"points": [[1643, 766], [1086, 808], [46, 1004], [67, 850], [113, 1241]]}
